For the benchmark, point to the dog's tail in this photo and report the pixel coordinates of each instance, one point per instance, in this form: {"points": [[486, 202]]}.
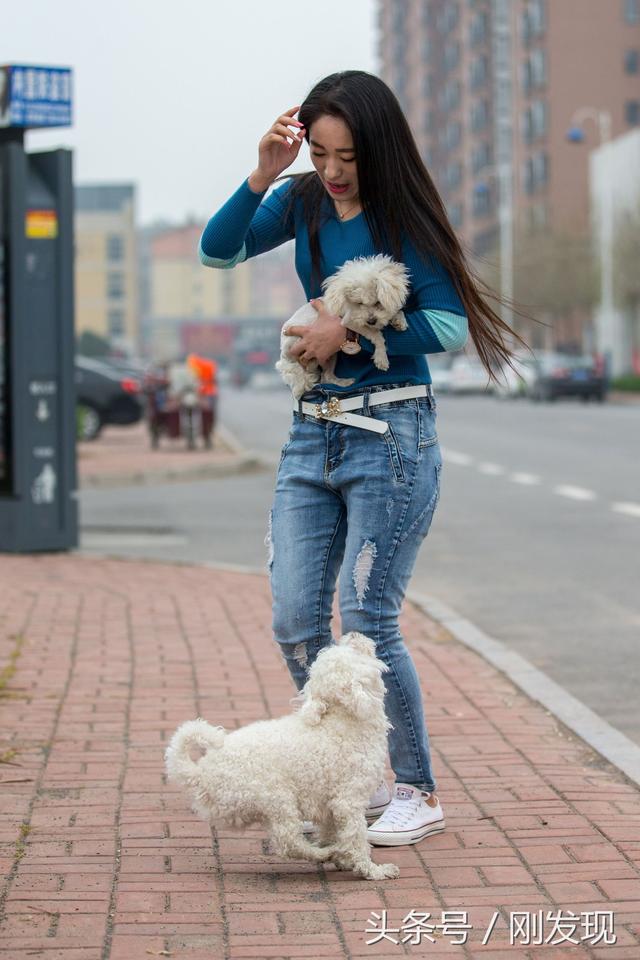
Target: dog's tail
{"points": [[187, 747]]}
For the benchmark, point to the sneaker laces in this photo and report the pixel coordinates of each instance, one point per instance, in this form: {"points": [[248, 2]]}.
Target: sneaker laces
{"points": [[398, 812]]}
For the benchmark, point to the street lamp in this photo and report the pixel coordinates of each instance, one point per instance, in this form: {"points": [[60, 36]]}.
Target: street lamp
{"points": [[575, 134]]}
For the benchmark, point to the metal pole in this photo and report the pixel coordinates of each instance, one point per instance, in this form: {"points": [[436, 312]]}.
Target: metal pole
{"points": [[503, 140]]}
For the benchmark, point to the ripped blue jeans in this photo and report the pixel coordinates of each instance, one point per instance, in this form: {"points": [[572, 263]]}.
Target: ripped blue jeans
{"points": [[357, 503]]}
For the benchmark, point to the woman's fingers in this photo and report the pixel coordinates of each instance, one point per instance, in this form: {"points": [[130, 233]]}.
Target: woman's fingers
{"points": [[286, 132]]}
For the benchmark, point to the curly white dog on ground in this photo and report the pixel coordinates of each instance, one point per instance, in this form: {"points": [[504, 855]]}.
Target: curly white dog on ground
{"points": [[320, 763]]}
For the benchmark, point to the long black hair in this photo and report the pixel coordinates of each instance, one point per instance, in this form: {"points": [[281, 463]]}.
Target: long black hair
{"points": [[397, 196]]}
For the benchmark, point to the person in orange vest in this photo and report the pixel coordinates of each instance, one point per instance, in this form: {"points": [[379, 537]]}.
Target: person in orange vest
{"points": [[206, 372]]}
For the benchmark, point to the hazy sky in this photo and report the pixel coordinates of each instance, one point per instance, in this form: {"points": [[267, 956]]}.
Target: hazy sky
{"points": [[175, 94]]}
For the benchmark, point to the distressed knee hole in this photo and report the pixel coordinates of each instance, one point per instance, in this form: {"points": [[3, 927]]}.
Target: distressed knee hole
{"points": [[300, 653], [268, 541], [362, 570]]}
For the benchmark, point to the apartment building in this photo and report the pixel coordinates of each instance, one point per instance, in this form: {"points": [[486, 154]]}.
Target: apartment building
{"points": [[187, 306], [492, 88], [106, 284]]}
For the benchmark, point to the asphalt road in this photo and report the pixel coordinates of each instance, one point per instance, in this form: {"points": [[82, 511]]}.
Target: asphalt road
{"points": [[536, 538]]}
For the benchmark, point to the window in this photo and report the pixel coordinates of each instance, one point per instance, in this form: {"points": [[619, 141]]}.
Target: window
{"points": [[534, 121], [632, 112], [632, 61], [533, 20], [449, 97], [115, 323], [428, 121], [115, 247], [478, 72], [428, 85], [456, 214], [535, 172], [481, 200], [534, 71], [479, 115], [115, 284], [632, 11], [453, 134], [451, 55], [481, 157], [453, 176], [448, 17], [479, 29]]}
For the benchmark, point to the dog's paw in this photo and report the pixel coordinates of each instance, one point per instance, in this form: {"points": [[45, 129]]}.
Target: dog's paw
{"points": [[381, 361], [380, 871]]}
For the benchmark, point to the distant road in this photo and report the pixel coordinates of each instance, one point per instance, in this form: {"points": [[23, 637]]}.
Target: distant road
{"points": [[536, 538]]}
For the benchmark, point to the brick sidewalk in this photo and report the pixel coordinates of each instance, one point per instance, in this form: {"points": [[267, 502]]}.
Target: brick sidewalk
{"points": [[122, 455], [104, 861]]}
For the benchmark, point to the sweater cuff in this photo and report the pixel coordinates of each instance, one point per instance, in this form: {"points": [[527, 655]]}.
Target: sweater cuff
{"points": [[254, 193]]}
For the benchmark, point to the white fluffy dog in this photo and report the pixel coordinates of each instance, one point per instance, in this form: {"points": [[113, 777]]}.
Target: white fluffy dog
{"points": [[320, 763], [367, 294]]}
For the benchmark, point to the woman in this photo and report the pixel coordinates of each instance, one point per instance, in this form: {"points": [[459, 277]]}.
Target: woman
{"points": [[351, 499]]}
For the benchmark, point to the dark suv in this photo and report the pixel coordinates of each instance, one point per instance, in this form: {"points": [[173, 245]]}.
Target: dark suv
{"points": [[104, 396], [565, 375]]}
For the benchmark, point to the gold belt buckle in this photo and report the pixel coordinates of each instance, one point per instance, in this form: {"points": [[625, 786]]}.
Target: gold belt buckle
{"points": [[328, 408]]}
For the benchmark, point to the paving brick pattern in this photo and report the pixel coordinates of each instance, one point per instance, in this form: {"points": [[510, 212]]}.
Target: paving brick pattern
{"points": [[103, 860]]}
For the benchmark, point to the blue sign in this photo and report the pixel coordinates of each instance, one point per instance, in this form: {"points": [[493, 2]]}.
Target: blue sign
{"points": [[35, 96]]}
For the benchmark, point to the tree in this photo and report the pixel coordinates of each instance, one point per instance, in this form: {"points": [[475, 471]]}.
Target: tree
{"points": [[92, 345], [626, 259]]}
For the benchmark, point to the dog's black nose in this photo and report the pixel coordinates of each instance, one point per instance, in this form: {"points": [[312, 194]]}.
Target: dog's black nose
{"points": [[371, 321]]}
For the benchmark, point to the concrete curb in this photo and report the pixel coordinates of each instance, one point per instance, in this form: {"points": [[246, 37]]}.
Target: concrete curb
{"points": [[246, 464], [242, 461], [614, 746]]}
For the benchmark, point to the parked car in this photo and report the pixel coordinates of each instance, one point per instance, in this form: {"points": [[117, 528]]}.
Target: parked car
{"points": [[566, 375], [468, 375], [518, 382], [103, 397]]}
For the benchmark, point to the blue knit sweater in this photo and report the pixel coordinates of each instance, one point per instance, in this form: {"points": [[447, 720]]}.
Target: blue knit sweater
{"points": [[246, 225]]}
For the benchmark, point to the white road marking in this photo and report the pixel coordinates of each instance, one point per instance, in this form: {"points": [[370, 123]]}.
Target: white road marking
{"points": [[452, 456], [530, 479], [630, 509], [491, 469], [574, 493], [524, 478]]}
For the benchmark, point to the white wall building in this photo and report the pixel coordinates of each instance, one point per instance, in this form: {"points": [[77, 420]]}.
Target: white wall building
{"points": [[614, 180]]}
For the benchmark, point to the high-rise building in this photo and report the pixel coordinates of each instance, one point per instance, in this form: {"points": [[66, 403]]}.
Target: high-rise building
{"points": [[106, 263], [491, 89]]}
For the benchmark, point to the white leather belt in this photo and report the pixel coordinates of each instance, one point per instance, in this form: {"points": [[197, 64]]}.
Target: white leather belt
{"points": [[337, 408]]}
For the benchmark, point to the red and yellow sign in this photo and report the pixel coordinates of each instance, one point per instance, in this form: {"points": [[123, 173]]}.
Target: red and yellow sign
{"points": [[41, 224]]}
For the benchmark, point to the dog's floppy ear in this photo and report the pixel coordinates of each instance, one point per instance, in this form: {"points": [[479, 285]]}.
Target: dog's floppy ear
{"points": [[393, 285], [334, 298], [312, 710], [359, 642], [353, 695]]}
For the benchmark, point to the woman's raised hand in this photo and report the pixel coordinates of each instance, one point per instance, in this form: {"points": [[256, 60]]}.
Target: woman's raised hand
{"points": [[275, 153]]}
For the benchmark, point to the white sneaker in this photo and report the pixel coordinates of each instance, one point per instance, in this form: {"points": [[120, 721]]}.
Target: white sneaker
{"points": [[407, 819], [378, 802]]}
